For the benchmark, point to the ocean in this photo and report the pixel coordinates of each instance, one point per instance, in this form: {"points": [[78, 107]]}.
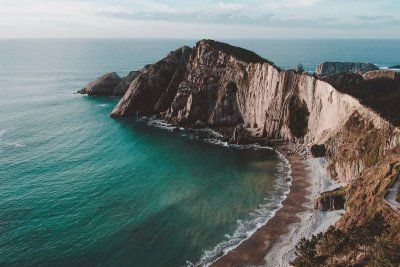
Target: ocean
{"points": [[80, 188]]}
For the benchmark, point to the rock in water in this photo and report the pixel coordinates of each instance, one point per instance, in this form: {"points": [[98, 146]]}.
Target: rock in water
{"points": [[104, 85], [155, 84], [126, 82], [329, 68]]}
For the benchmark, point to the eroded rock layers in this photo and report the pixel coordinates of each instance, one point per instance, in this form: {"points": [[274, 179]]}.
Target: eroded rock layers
{"points": [[350, 118]]}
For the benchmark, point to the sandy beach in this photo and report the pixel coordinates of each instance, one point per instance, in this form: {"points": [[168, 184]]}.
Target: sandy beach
{"points": [[274, 243]]}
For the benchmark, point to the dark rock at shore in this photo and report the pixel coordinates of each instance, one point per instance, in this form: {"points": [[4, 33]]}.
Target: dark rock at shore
{"points": [[329, 68], [395, 67], [102, 86], [241, 136]]}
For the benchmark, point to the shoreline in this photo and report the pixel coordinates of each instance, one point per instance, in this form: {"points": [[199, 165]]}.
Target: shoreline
{"points": [[274, 243]]}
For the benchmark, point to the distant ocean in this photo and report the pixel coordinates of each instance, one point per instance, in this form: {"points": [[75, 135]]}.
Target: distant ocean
{"points": [[78, 187]]}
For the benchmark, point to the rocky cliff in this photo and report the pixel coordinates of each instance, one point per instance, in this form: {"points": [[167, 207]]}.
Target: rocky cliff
{"points": [[221, 86], [329, 68], [352, 119]]}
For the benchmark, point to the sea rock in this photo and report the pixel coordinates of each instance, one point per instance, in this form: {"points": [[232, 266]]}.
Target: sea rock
{"points": [[125, 83], [102, 86], [329, 68], [395, 67]]}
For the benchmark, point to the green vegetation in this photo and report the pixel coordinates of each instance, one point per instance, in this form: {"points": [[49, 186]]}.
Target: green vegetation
{"points": [[369, 244]]}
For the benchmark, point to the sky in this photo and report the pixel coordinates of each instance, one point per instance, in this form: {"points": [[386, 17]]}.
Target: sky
{"points": [[189, 19]]}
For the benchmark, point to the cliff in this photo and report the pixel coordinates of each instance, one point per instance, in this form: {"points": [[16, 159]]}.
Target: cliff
{"points": [[350, 118], [221, 86], [329, 68]]}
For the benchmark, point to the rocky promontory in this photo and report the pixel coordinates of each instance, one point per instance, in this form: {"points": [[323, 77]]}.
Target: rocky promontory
{"points": [[350, 116], [109, 84], [329, 68]]}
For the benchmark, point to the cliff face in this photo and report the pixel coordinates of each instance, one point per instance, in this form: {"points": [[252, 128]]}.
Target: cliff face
{"points": [[329, 68], [218, 85]]}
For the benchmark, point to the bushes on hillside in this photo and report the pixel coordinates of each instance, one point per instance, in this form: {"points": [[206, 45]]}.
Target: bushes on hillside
{"points": [[370, 244]]}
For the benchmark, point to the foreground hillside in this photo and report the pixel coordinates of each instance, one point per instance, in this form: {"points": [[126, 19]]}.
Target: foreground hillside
{"points": [[351, 119]]}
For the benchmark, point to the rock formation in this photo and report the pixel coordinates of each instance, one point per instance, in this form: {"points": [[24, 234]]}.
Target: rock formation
{"points": [[329, 68], [395, 67], [104, 85], [154, 88], [350, 118], [220, 86]]}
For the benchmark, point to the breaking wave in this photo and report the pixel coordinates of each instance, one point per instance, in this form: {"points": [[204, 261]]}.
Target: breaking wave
{"points": [[258, 217]]}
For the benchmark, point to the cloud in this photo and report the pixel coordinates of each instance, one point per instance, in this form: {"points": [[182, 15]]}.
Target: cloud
{"points": [[158, 18]]}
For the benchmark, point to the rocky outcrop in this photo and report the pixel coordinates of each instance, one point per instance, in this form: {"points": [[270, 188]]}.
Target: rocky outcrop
{"points": [[395, 67], [105, 85], [152, 90], [218, 85], [329, 68]]}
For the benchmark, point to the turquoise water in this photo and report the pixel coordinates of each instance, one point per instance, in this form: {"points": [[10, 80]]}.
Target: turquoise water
{"points": [[77, 187]]}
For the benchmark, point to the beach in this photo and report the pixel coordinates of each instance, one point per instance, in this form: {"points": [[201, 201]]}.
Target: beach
{"points": [[274, 243]]}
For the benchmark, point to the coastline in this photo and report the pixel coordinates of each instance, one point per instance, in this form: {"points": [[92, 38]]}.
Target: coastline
{"points": [[274, 243]]}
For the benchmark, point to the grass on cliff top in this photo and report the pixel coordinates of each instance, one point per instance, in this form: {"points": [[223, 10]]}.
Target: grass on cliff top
{"points": [[238, 52], [367, 245]]}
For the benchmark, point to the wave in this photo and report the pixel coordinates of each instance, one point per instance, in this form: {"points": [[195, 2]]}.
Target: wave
{"points": [[258, 217], [2, 132]]}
